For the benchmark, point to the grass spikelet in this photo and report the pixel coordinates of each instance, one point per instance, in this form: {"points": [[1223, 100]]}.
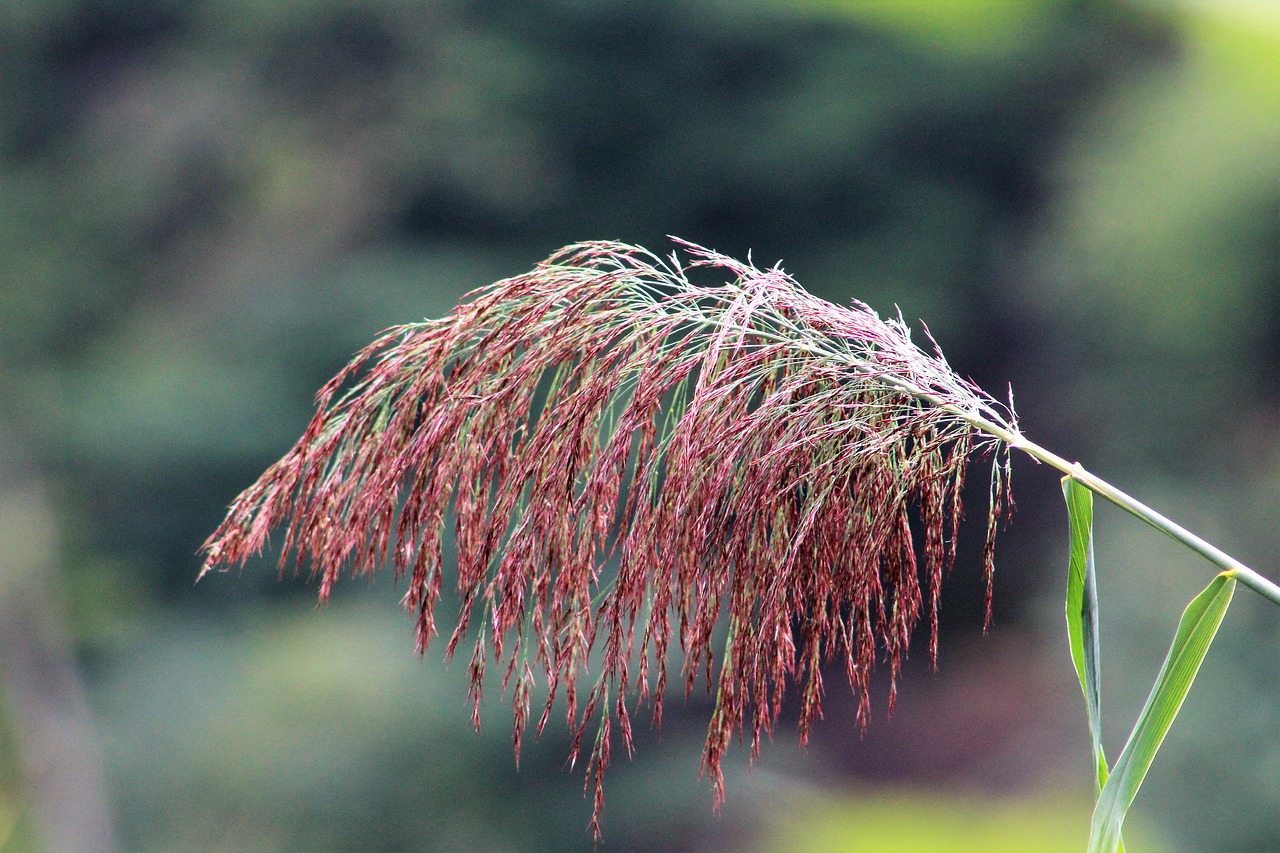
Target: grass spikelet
{"points": [[632, 461]]}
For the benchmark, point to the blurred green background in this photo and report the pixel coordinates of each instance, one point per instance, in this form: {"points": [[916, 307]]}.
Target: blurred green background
{"points": [[207, 206]]}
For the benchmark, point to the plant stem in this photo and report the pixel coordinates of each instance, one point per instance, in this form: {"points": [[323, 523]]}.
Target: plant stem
{"points": [[1230, 565]]}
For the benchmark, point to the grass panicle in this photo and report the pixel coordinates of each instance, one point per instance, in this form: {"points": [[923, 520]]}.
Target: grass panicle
{"points": [[739, 479]]}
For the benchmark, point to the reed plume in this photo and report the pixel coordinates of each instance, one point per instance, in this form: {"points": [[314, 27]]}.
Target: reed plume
{"points": [[629, 459]]}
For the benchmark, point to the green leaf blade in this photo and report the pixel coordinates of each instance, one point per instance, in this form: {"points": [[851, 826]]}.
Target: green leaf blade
{"points": [[1196, 630], [1082, 613]]}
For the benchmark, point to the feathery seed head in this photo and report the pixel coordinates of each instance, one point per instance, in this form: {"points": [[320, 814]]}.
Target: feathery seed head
{"points": [[629, 459]]}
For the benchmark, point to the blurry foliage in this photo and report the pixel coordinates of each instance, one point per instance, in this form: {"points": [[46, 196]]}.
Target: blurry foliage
{"points": [[292, 730], [18, 833], [1165, 243], [184, 178], [926, 822], [205, 207]]}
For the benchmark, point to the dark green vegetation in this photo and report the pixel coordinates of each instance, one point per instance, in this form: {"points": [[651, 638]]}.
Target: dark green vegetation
{"points": [[206, 207]]}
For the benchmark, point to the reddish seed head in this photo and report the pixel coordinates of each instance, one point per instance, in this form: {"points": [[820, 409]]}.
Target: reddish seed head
{"points": [[627, 459]]}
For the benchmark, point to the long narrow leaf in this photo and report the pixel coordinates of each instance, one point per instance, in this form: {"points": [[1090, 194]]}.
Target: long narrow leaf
{"points": [[1195, 633], [1082, 613]]}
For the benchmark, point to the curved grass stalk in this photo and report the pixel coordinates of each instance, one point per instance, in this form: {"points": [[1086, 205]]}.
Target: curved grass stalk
{"points": [[627, 458], [1229, 565]]}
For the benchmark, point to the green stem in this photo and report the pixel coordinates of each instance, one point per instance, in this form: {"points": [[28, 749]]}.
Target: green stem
{"points": [[1230, 565]]}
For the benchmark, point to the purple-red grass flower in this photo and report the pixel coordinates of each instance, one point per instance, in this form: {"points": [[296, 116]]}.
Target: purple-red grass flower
{"points": [[634, 464]]}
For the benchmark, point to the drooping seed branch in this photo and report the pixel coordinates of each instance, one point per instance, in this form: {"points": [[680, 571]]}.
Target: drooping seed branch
{"points": [[629, 461]]}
